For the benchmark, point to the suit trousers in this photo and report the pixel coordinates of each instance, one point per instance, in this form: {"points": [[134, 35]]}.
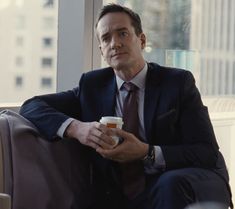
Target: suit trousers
{"points": [[173, 189]]}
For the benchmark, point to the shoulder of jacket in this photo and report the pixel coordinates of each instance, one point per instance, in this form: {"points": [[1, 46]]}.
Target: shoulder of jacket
{"points": [[168, 72]]}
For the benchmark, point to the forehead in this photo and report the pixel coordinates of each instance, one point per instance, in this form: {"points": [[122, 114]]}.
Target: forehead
{"points": [[113, 21]]}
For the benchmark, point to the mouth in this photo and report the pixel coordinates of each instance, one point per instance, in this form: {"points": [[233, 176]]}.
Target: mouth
{"points": [[118, 54]]}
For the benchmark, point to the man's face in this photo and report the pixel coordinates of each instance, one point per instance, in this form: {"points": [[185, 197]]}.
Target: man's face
{"points": [[119, 45]]}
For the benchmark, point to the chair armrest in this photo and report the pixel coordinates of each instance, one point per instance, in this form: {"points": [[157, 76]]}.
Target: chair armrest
{"points": [[39, 173], [5, 201]]}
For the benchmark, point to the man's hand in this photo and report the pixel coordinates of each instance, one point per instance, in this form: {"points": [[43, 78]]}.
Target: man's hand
{"points": [[130, 149], [92, 134]]}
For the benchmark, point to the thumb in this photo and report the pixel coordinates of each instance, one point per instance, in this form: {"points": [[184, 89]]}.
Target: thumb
{"points": [[121, 133]]}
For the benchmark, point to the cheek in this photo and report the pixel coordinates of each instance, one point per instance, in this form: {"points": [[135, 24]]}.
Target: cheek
{"points": [[137, 49], [105, 53]]}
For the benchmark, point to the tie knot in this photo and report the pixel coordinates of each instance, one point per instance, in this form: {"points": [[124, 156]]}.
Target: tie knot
{"points": [[130, 87]]}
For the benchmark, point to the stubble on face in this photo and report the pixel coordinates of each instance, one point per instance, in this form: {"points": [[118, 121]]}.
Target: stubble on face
{"points": [[122, 52]]}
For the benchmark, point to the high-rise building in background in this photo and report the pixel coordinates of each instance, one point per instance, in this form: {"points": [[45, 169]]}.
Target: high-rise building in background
{"points": [[195, 34], [28, 48], [213, 33]]}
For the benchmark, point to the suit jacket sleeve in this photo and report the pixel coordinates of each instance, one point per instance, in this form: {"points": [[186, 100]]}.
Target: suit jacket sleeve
{"points": [[48, 112], [196, 144]]}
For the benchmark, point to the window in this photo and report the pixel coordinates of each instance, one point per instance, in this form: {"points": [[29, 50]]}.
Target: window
{"points": [[46, 82], [47, 42], [21, 48], [48, 3], [184, 33], [47, 62], [18, 81]]}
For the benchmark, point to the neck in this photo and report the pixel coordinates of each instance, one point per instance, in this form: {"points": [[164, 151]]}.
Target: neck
{"points": [[127, 74]]}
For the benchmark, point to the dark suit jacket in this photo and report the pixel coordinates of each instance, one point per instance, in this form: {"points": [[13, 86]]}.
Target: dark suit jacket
{"points": [[174, 116]]}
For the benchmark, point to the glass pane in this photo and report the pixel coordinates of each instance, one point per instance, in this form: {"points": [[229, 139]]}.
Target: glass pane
{"points": [[28, 49], [198, 35]]}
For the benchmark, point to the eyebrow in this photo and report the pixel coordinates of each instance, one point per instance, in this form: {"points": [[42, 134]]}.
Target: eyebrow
{"points": [[118, 29]]}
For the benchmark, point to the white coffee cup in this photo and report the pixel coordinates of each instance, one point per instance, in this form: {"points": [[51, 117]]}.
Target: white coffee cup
{"points": [[112, 122]]}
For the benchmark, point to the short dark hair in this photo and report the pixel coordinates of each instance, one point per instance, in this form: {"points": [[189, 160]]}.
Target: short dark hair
{"points": [[111, 8]]}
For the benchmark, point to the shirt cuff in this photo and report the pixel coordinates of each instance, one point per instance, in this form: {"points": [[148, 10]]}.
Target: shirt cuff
{"points": [[159, 164], [63, 127]]}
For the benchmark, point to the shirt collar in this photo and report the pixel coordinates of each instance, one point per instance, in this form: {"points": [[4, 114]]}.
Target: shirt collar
{"points": [[138, 80]]}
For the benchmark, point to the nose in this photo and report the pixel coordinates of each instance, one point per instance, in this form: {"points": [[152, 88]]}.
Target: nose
{"points": [[116, 43]]}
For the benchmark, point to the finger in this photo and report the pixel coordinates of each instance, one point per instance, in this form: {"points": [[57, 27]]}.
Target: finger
{"points": [[107, 153], [113, 154], [106, 130], [101, 127], [102, 142], [124, 134], [107, 139], [105, 134], [120, 132], [92, 145]]}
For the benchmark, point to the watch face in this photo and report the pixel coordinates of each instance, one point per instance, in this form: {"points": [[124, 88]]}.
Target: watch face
{"points": [[150, 158], [152, 154]]}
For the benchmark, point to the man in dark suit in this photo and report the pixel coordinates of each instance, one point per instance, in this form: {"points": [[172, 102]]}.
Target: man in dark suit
{"points": [[175, 144]]}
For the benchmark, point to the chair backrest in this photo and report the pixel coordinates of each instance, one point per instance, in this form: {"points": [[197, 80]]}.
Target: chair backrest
{"points": [[5, 199], [1, 166]]}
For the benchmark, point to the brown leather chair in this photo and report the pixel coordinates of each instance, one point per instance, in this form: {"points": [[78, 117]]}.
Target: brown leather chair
{"points": [[39, 174]]}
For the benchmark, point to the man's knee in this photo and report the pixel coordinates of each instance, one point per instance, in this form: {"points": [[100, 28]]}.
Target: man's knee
{"points": [[173, 182], [171, 190]]}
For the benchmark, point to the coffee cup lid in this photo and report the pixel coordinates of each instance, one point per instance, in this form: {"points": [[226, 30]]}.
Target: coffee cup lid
{"points": [[111, 119]]}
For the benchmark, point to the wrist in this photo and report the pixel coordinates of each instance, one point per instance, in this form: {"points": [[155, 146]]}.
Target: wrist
{"points": [[71, 129], [149, 158], [145, 151]]}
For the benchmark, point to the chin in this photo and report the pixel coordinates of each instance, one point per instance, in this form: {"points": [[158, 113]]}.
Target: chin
{"points": [[119, 65]]}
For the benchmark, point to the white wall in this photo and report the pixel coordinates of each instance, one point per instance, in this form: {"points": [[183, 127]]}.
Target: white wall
{"points": [[224, 127]]}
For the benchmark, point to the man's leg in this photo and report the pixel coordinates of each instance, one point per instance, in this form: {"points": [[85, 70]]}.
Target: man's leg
{"points": [[178, 188]]}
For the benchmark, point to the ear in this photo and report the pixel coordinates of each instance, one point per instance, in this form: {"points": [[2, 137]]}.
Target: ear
{"points": [[101, 52], [143, 40]]}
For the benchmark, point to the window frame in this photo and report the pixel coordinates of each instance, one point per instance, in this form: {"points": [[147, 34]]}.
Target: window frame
{"points": [[78, 51]]}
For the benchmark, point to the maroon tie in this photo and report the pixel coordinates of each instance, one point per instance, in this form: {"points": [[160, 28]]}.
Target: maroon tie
{"points": [[132, 172]]}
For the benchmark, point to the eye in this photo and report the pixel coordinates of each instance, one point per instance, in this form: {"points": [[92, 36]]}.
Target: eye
{"points": [[124, 34], [105, 39]]}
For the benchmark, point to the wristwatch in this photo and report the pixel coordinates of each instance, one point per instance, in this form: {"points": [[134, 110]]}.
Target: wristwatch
{"points": [[149, 159]]}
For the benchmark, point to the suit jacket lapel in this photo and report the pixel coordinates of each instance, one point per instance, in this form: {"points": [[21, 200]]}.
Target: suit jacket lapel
{"points": [[152, 94], [108, 97]]}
